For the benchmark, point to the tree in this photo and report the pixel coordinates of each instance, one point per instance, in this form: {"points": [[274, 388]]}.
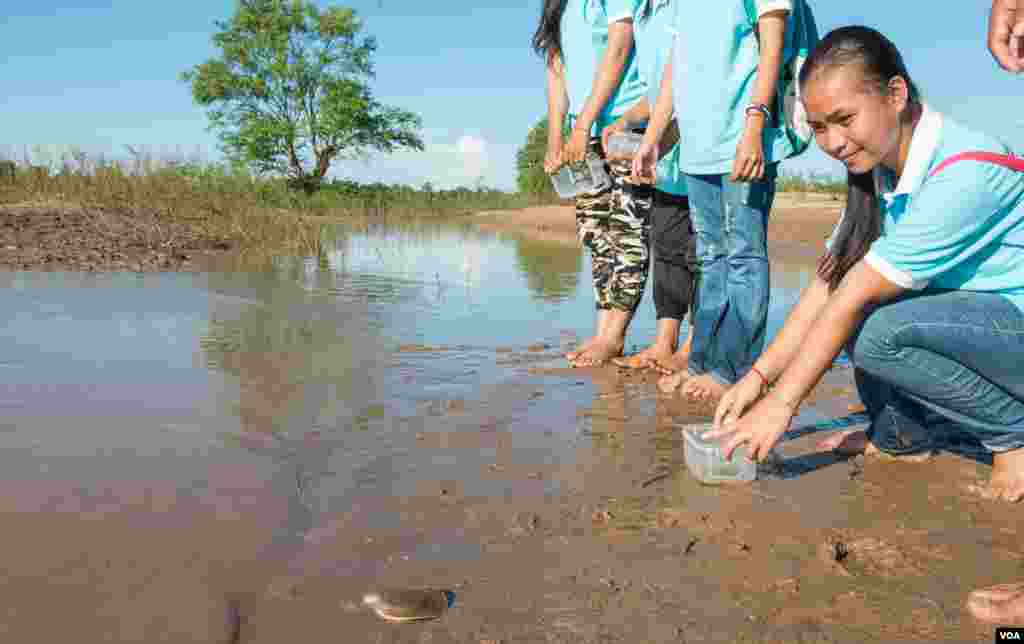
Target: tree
{"points": [[289, 93], [530, 176]]}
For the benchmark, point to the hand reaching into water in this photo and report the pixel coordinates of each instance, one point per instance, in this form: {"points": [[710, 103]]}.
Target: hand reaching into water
{"points": [[759, 429], [738, 399]]}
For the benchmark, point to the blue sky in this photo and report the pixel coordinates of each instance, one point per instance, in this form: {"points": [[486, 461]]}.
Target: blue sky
{"points": [[101, 75]]}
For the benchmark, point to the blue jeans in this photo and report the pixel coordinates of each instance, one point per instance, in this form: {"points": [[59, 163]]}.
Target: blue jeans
{"points": [[942, 356], [731, 222]]}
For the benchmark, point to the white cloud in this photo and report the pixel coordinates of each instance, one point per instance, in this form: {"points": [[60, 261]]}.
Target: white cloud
{"points": [[467, 161]]}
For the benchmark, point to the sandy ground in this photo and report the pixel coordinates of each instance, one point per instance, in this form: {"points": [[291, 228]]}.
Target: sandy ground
{"points": [[618, 544], [797, 220]]}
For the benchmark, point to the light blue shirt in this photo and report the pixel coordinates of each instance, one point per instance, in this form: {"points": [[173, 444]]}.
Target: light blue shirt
{"points": [[584, 41], [653, 38], [962, 228], [715, 61]]}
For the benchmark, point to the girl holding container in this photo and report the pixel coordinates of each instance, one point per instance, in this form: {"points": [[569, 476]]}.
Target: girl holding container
{"points": [[673, 241], [592, 78], [721, 81], [922, 282]]}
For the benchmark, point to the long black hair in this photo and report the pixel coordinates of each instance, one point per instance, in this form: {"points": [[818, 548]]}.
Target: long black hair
{"points": [[547, 40], [880, 62]]}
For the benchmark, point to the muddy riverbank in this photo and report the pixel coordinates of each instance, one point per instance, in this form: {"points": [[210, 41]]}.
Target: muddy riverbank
{"points": [[220, 457]]}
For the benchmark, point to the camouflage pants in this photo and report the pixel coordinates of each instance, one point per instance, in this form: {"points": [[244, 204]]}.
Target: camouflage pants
{"points": [[614, 225]]}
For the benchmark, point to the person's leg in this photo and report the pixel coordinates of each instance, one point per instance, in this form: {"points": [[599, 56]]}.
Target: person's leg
{"points": [[956, 354], [708, 217], [628, 260], [592, 213], [673, 280], [740, 336], [900, 428]]}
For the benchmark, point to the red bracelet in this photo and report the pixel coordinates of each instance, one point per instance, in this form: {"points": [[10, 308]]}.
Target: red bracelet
{"points": [[764, 381]]}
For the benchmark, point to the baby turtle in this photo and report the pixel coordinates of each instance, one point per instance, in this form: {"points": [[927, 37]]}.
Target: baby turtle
{"points": [[409, 604]]}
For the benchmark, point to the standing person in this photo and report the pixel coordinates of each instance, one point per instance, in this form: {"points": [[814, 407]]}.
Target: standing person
{"points": [[673, 241], [592, 77], [722, 80], [922, 281], [1006, 34]]}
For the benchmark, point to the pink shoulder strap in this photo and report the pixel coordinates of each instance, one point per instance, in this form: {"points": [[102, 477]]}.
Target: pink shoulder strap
{"points": [[1005, 160]]}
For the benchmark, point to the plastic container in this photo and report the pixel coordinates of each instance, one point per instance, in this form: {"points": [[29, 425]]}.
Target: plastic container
{"points": [[707, 462], [582, 178], [624, 145]]}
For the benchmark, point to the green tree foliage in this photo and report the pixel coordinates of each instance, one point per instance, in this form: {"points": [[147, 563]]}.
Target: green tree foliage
{"points": [[530, 176], [289, 93]]}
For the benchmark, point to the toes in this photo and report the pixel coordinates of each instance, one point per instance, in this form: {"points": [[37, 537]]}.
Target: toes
{"points": [[998, 592], [996, 611]]}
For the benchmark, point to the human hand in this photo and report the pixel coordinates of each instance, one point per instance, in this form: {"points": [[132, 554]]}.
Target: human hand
{"points": [[645, 163], [553, 157], [576, 149], [1006, 34], [737, 399], [759, 429], [749, 162]]}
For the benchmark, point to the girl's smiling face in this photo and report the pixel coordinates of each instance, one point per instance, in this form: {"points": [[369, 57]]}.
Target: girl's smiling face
{"points": [[855, 120]]}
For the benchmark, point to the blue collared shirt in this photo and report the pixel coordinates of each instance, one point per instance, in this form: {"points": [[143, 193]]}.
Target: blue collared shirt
{"points": [[584, 41], [714, 65], [962, 228]]}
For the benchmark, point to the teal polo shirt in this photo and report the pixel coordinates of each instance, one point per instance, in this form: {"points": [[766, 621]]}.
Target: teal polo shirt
{"points": [[653, 38], [584, 41], [715, 61], [960, 229]]}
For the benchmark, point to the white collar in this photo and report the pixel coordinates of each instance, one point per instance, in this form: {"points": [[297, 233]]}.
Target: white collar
{"points": [[924, 143]]}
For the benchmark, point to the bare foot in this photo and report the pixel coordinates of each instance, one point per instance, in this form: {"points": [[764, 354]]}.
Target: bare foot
{"points": [[1007, 480], [1003, 604], [575, 353], [598, 353], [675, 363], [704, 387], [646, 358], [855, 441]]}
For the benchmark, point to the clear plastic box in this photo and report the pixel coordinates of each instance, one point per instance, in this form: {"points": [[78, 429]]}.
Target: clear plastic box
{"points": [[584, 178], [707, 462], [624, 145]]}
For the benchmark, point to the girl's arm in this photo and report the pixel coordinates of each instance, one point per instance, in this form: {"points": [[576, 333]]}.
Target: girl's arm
{"points": [[783, 350], [609, 74], [861, 290], [771, 32], [646, 159], [639, 112], [558, 105]]}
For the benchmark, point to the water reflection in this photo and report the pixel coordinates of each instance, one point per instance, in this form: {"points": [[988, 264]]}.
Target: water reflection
{"points": [[551, 269]]}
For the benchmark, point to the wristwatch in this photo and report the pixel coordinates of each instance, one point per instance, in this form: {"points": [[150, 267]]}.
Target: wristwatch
{"points": [[759, 108]]}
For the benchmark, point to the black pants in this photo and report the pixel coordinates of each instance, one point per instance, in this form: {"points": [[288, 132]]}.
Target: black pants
{"points": [[674, 245]]}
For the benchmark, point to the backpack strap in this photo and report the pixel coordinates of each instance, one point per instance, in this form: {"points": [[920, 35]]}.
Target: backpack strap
{"points": [[1005, 160]]}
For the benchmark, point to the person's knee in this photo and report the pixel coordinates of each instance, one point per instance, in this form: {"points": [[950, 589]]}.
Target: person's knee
{"points": [[874, 346]]}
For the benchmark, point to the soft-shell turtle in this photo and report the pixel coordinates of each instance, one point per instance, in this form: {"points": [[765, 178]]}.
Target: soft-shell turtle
{"points": [[409, 604]]}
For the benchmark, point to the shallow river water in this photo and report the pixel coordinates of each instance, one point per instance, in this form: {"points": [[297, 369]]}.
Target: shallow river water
{"points": [[172, 444]]}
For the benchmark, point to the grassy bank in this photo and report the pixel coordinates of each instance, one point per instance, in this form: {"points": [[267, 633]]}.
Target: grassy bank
{"points": [[217, 203]]}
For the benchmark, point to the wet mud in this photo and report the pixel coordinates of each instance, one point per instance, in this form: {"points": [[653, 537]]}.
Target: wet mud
{"points": [[553, 502]]}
